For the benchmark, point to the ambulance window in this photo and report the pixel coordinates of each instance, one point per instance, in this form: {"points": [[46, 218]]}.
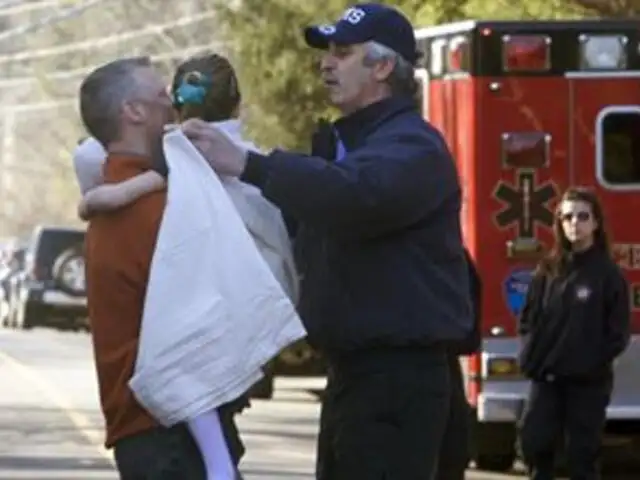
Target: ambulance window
{"points": [[458, 55], [618, 156]]}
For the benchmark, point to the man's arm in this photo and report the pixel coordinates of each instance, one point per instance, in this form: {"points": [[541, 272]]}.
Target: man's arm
{"points": [[380, 188], [474, 338]]}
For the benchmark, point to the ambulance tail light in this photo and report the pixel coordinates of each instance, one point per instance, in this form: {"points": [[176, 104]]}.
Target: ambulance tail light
{"points": [[474, 380], [525, 149], [526, 53], [603, 52]]}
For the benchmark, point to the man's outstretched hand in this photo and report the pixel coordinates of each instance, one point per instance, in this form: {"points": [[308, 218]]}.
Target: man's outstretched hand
{"points": [[224, 156]]}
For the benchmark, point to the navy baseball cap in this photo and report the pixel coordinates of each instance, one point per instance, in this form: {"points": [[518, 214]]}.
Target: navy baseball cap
{"points": [[366, 22]]}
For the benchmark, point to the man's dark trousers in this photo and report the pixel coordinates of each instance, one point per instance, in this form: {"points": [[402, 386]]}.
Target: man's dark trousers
{"points": [[456, 444], [384, 415]]}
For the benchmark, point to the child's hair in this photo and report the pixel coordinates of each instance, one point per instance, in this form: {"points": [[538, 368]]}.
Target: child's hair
{"points": [[206, 87]]}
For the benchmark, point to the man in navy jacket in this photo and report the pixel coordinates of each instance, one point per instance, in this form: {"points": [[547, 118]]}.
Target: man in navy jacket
{"points": [[455, 451], [385, 289]]}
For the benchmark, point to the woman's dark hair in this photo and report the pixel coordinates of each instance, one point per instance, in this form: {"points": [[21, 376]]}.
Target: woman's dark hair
{"points": [[555, 262], [216, 78]]}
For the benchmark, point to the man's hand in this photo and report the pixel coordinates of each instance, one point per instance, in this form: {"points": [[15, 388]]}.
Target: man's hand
{"points": [[224, 156]]}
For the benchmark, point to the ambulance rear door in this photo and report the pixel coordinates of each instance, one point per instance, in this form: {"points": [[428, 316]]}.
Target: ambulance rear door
{"points": [[522, 163], [604, 99]]}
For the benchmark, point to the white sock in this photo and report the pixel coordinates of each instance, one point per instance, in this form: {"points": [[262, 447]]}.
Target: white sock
{"points": [[206, 430]]}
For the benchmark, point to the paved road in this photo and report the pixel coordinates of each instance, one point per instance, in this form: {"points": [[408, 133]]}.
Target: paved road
{"points": [[51, 428]]}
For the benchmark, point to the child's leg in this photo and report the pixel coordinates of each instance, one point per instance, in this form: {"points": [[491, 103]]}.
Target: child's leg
{"points": [[208, 435]]}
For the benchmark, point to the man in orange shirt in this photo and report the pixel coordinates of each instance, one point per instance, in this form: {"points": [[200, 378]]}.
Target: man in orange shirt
{"points": [[125, 105]]}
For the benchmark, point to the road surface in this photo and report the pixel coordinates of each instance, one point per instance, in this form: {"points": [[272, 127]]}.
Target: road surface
{"points": [[51, 427]]}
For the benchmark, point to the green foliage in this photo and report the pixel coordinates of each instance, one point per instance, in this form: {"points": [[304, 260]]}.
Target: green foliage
{"points": [[278, 72], [610, 8], [283, 95], [522, 9]]}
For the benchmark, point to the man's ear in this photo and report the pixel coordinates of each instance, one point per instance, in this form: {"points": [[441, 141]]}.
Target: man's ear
{"points": [[134, 112], [383, 69]]}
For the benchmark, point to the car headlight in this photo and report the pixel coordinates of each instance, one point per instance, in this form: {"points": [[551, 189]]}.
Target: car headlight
{"points": [[603, 52]]}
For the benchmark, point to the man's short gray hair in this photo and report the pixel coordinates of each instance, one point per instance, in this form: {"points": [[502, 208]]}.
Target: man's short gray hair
{"points": [[402, 79], [102, 94]]}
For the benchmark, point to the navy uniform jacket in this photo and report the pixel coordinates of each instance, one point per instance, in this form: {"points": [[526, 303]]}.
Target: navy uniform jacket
{"points": [[379, 244], [574, 324]]}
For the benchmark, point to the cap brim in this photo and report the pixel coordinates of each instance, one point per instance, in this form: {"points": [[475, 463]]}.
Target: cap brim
{"points": [[321, 36], [315, 38]]}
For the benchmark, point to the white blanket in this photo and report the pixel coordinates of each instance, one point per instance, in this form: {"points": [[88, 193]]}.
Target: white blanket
{"points": [[214, 312], [263, 220]]}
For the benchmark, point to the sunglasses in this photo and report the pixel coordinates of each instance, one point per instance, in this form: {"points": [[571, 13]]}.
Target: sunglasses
{"points": [[579, 216]]}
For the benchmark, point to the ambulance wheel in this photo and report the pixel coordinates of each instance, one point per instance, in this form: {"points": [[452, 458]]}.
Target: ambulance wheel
{"points": [[494, 446], [495, 463]]}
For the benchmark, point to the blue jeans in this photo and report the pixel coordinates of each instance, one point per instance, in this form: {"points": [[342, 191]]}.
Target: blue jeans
{"points": [[160, 454], [171, 453]]}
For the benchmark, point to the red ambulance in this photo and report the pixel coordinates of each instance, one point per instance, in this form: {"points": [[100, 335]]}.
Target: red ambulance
{"points": [[530, 108]]}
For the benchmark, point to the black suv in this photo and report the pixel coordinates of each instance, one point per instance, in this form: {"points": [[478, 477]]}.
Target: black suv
{"points": [[51, 289]]}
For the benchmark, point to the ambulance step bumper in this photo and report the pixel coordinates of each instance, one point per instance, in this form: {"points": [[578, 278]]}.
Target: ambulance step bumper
{"points": [[507, 407], [499, 407], [623, 412]]}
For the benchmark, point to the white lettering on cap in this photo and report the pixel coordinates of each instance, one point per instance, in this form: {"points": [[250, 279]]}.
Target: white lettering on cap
{"points": [[354, 15], [327, 29]]}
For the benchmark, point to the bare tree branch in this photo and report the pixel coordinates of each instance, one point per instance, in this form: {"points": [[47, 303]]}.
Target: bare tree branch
{"points": [[53, 44]]}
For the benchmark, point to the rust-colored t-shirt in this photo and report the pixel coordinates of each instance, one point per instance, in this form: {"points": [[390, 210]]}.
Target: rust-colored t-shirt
{"points": [[119, 249]]}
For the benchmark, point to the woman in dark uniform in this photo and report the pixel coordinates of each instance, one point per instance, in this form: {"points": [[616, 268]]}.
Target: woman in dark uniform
{"points": [[574, 324]]}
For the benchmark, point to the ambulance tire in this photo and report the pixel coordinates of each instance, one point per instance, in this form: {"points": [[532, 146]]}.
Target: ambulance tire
{"points": [[494, 446], [495, 463]]}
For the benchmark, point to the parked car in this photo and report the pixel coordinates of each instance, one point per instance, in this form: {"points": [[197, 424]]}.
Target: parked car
{"points": [[298, 360], [50, 290], [4, 306], [12, 268]]}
